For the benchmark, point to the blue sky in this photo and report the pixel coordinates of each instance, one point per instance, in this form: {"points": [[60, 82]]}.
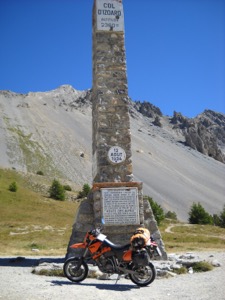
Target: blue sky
{"points": [[175, 50]]}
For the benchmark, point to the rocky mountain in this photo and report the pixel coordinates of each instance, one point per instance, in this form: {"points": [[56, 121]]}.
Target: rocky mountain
{"points": [[205, 133], [180, 160]]}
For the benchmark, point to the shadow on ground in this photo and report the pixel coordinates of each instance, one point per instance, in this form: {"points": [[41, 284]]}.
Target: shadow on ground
{"points": [[101, 286], [22, 261]]}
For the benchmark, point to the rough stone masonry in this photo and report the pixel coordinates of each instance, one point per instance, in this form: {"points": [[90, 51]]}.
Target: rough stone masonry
{"points": [[111, 123], [116, 201]]}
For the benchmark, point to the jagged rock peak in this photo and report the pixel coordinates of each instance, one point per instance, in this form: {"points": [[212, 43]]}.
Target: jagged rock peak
{"points": [[204, 133], [68, 89], [65, 89], [147, 109], [212, 117], [9, 94]]}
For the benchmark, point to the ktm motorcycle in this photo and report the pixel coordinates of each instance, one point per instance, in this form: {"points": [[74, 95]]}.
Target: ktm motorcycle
{"points": [[132, 259]]}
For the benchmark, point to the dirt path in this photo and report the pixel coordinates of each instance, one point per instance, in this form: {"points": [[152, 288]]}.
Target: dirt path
{"points": [[171, 226], [18, 283]]}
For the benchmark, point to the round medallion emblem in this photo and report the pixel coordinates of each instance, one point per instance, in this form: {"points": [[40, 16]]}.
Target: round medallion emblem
{"points": [[116, 155]]}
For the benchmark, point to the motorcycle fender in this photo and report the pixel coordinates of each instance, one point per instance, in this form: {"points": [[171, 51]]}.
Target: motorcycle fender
{"points": [[78, 245], [77, 260]]}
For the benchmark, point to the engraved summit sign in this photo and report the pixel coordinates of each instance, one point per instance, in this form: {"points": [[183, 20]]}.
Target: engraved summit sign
{"points": [[110, 15]]}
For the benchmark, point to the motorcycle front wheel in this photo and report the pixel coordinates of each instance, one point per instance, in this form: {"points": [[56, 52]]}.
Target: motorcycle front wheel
{"points": [[143, 275], [75, 270]]}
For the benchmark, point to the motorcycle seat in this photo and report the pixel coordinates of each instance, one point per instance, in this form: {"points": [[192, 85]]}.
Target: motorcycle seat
{"points": [[116, 246]]}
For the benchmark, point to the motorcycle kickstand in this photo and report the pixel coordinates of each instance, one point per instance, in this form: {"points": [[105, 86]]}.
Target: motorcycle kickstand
{"points": [[118, 278]]}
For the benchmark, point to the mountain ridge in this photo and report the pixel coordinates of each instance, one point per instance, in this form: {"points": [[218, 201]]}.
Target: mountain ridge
{"points": [[51, 131]]}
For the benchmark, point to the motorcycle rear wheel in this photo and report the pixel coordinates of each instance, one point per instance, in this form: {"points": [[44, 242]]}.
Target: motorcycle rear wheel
{"points": [[143, 276], [74, 271]]}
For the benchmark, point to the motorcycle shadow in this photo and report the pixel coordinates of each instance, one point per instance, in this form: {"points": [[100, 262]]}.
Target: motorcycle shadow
{"points": [[100, 286]]}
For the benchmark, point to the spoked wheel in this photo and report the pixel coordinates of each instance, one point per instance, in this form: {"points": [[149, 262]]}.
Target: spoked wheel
{"points": [[143, 275], [75, 270]]}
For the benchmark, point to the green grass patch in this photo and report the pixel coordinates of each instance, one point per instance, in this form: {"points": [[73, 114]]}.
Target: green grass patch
{"points": [[186, 237], [34, 156], [29, 220], [200, 229], [180, 271], [202, 266]]}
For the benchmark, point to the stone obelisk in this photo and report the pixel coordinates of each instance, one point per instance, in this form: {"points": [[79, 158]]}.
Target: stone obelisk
{"points": [[116, 201], [111, 125]]}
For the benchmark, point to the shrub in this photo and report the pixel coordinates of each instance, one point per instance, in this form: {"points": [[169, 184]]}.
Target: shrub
{"points": [[198, 215], [182, 270], [13, 187], [222, 218], [202, 266], [157, 210], [40, 173], [157, 122], [171, 215], [216, 220], [57, 191], [67, 188], [85, 191], [219, 220]]}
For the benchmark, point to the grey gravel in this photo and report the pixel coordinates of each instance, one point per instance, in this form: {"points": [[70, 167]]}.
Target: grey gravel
{"points": [[18, 283]]}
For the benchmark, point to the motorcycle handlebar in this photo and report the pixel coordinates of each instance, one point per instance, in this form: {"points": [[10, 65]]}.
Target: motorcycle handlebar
{"points": [[96, 231]]}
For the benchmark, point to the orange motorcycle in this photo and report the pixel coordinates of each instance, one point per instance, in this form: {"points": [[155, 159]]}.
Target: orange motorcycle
{"points": [[132, 259]]}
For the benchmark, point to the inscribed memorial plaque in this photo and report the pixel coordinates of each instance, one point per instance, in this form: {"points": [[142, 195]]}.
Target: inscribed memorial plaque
{"points": [[120, 206]]}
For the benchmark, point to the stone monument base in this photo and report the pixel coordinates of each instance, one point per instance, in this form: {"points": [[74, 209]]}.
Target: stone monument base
{"points": [[119, 229]]}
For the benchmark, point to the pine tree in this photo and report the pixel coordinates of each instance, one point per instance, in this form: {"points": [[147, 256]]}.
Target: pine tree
{"points": [[57, 191], [198, 215]]}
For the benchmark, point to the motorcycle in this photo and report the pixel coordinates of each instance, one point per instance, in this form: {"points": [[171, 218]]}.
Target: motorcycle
{"points": [[132, 259]]}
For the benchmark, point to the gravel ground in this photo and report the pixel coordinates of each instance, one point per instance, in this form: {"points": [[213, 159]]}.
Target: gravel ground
{"points": [[18, 283]]}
